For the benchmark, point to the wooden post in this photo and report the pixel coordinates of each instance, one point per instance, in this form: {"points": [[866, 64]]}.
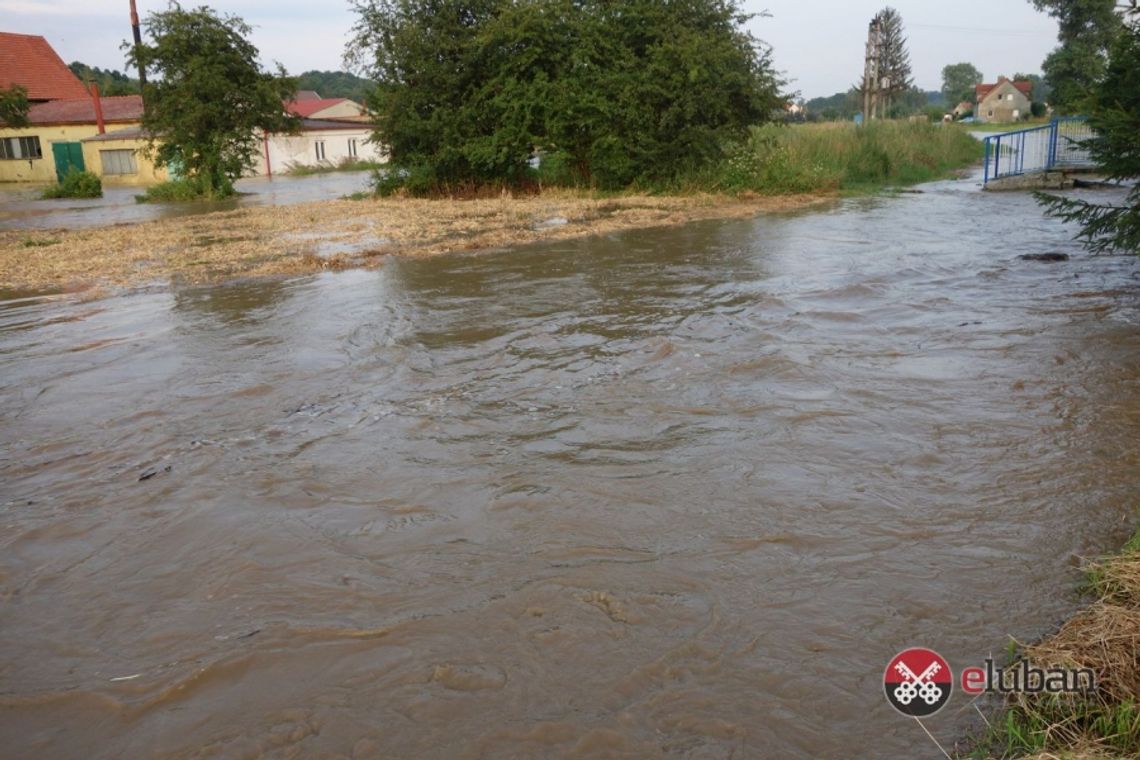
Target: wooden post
{"points": [[138, 43]]}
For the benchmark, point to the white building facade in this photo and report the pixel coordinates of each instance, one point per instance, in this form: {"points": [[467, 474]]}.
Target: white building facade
{"points": [[319, 143]]}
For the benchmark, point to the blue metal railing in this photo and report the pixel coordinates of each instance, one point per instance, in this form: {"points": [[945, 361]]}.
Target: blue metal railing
{"points": [[1062, 142]]}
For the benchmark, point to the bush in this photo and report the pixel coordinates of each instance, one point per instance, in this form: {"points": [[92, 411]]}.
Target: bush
{"points": [[187, 189], [76, 184], [1038, 109]]}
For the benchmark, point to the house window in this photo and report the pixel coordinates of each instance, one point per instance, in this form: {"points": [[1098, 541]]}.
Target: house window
{"points": [[320, 144], [1009, 96], [13, 148], [352, 148], [118, 162]]}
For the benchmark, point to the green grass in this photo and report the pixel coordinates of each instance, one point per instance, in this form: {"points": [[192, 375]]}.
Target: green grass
{"points": [[40, 242], [346, 165], [175, 191], [1021, 731], [76, 184], [844, 157]]}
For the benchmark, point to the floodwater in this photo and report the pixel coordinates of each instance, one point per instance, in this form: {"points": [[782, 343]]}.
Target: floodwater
{"points": [[672, 493], [22, 208]]}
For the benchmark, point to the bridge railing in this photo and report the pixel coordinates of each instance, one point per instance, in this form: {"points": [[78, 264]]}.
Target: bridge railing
{"points": [[1060, 143]]}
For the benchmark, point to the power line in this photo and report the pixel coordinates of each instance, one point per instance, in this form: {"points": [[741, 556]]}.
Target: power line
{"points": [[983, 30]]}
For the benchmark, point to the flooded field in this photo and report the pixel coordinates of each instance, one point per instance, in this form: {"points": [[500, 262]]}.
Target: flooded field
{"points": [[670, 493], [21, 207]]}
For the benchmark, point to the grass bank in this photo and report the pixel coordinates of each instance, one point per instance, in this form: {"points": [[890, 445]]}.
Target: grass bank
{"points": [[842, 157], [1105, 636]]}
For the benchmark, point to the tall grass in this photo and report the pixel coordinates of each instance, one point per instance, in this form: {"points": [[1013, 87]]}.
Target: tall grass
{"points": [[777, 160], [772, 159]]}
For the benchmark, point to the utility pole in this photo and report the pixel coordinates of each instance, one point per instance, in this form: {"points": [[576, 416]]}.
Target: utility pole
{"points": [[138, 43], [871, 70]]}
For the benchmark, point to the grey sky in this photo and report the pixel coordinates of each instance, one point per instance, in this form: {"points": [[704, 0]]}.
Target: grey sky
{"points": [[819, 45]]}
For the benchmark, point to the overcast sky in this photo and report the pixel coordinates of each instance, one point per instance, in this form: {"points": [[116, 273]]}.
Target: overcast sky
{"points": [[819, 45]]}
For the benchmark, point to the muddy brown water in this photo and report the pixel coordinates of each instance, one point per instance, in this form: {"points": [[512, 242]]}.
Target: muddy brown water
{"points": [[669, 493]]}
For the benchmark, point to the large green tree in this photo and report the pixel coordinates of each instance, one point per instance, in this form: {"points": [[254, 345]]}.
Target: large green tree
{"points": [[1114, 108], [958, 81], [1086, 30], [613, 92], [208, 96]]}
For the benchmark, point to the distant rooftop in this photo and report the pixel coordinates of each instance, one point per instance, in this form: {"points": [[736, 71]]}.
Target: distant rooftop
{"points": [[1024, 86], [29, 61], [82, 110]]}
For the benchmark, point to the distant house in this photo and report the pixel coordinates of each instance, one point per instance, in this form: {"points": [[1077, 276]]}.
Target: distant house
{"points": [[120, 157], [1004, 102], [310, 105], [332, 131], [62, 117], [54, 141], [320, 142], [963, 109]]}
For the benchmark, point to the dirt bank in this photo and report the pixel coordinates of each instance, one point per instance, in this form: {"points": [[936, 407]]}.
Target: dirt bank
{"points": [[1103, 637], [334, 235]]}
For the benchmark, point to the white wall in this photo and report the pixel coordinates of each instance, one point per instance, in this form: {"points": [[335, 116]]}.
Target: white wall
{"points": [[290, 150]]}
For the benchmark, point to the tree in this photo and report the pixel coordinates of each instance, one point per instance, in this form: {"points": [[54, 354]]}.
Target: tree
{"points": [[894, 62], [336, 84], [110, 82], [14, 106], [1114, 108], [958, 81], [1086, 30], [209, 97], [612, 93]]}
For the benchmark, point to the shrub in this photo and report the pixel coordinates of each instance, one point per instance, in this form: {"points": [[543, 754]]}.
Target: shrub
{"points": [[187, 189], [76, 184]]}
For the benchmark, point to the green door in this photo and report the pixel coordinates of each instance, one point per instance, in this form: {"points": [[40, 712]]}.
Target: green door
{"points": [[67, 155]]}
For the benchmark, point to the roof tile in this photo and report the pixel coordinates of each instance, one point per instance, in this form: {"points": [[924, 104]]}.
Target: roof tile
{"points": [[29, 61], [82, 110]]}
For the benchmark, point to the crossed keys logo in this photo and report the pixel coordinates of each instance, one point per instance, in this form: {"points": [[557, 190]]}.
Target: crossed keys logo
{"points": [[918, 682]]}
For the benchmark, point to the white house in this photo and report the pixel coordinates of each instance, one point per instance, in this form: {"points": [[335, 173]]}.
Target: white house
{"points": [[320, 142]]}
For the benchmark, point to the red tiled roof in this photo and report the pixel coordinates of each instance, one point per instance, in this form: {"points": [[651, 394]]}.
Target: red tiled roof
{"points": [[82, 110], [30, 62], [1024, 86], [306, 108]]}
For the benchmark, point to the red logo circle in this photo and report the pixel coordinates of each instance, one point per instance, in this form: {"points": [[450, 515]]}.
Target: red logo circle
{"points": [[918, 682]]}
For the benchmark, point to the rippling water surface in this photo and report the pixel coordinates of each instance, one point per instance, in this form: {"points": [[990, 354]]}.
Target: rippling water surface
{"points": [[670, 493]]}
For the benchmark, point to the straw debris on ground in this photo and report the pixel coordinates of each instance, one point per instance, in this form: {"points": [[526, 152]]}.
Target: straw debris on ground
{"points": [[334, 235], [1105, 637]]}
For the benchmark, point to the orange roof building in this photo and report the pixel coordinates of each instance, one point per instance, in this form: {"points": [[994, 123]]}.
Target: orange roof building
{"points": [[29, 61]]}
